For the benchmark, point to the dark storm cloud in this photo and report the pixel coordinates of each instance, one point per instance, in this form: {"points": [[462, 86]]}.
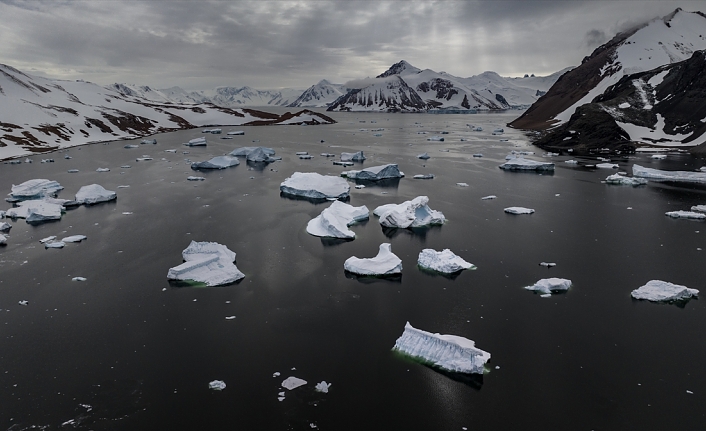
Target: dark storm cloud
{"points": [[296, 43]]}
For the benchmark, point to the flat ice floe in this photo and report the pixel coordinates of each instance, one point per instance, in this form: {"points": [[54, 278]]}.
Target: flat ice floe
{"points": [[74, 238], [375, 173], [315, 186], [196, 142], [353, 157], [35, 189], [623, 180], [663, 291], [36, 211], [444, 261], [519, 210], [385, 263], [219, 162], [522, 164], [686, 214], [333, 221], [450, 352], [607, 165], [549, 285], [659, 175], [414, 213], [207, 262], [93, 194], [424, 177], [293, 382]]}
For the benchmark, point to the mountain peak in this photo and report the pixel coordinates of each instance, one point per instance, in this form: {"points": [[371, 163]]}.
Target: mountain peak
{"points": [[402, 67]]}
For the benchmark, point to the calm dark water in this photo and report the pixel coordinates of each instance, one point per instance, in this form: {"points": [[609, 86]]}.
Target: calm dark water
{"points": [[141, 352]]}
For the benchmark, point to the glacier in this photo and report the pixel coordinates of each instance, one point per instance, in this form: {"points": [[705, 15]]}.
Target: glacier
{"points": [[444, 261], [385, 263], [663, 291], [315, 186], [449, 352], [333, 221], [375, 173], [207, 262], [414, 213]]}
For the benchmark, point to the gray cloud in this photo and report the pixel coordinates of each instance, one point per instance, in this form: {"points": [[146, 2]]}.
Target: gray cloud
{"points": [[266, 44]]}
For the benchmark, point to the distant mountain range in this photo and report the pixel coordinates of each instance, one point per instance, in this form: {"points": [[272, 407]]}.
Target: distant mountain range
{"points": [[645, 86]]}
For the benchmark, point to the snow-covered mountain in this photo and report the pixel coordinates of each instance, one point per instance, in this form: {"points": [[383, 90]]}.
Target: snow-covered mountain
{"points": [[39, 114], [322, 94], [406, 88], [662, 41]]}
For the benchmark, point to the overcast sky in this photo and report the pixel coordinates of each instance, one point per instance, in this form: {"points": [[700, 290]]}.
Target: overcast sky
{"points": [[274, 44]]}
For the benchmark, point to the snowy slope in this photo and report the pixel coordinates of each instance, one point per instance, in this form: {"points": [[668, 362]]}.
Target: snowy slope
{"points": [[662, 41], [388, 94], [39, 114], [322, 94], [538, 83]]}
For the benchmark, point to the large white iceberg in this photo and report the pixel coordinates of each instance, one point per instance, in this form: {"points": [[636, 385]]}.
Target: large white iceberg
{"points": [[519, 210], [353, 157], [385, 263], [522, 164], [686, 214], [93, 194], [680, 176], [35, 189], [315, 186], [36, 211], [442, 261], [375, 173], [219, 162], [450, 352], [334, 221], [658, 290], [414, 213], [623, 180], [207, 262], [549, 285]]}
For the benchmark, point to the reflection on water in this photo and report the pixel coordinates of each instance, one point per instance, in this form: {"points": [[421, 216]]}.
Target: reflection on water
{"points": [[371, 279]]}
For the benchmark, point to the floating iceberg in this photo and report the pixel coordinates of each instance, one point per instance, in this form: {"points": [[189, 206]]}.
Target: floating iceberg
{"points": [[462, 184], [571, 162], [220, 162], [522, 164], [680, 176], [36, 211], [333, 222], [322, 387], [385, 263], [659, 156], [207, 262], [236, 133], [519, 210], [74, 238], [148, 141], [293, 383], [686, 214], [103, 170], [255, 154], [622, 180], [424, 177], [442, 261], [607, 165], [661, 291], [435, 138], [3, 239], [699, 208], [353, 157], [197, 142], [547, 264], [56, 244], [336, 162], [414, 213], [549, 285], [424, 156], [217, 385], [306, 157], [375, 173], [131, 146], [78, 279], [191, 178], [35, 189], [315, 186], [5, 227], [450, 352], [485, 198], [93, 194]]}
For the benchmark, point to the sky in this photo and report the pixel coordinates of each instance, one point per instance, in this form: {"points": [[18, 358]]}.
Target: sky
{"points": [[199, 45]]}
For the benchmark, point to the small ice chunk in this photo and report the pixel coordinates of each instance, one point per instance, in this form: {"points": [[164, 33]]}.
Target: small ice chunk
{"points": [[624, 105], [549, 285], [306, 157], [275, 374], [217, 385], [57, 244], [47, 239], [571, 162], [622, 180], [255, 154], [522, 164], [336, 162], [35, 189], [435, 138], [375, 173], [3, 239], [663, 291], [424, 177], [315, 186], [125, 167], [385, 263], [414, 213], [102, 170], [359, 186], [220, 162], [144, 159], [302, 153], [230, 317], [659, 156], [519, 210], [5, 227], [72, 171], [607, 165], [293, 383], [450, 352], [699, 208], [93, 194], [462, 184], [485, 198], [23, 302], [131, 146], [323, 387], [192, 178], [207, 262], [353, 157], [236, 133], [74, 238], [548, 264], [333, 221], [442, 261], [148, 141], [686, 214], [424, 156], [78, 279], [196, 142]]}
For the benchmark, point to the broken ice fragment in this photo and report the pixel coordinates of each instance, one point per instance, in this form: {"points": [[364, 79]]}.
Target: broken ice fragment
{"points": [[23, 302], [191, 178], [57, 244], [207, 262], [607, 165], [36, 211], [93, 194], [217, 385], [462, 184], [450, 352], [548, 264], [35, 189], [680, 176], [519, 210], [424, 156], [315, 186], [102, 170], [628, 181], [549, 285], [275, 374], [333, 221], [3, 239], [686, 214], [230, 317], [699, 208], [435, 138], [72, 171], [323, 386], [293, 383], [5, 227], [148, 141], [78, 279], [663, 291], [385, 263], [197, 142], [424, 177], [521, 164], [236, 133], [485, 198], [353, 157], [444, 261], [74, 238], [220, 162], [414, 213], [375, 173], [47, 239]]}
